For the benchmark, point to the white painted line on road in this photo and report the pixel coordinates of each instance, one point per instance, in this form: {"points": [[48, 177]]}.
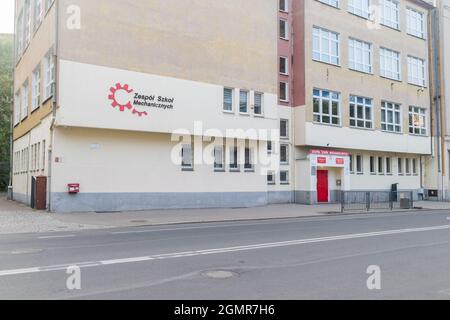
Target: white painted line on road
{"points": [[220, 250], [57, 237]]}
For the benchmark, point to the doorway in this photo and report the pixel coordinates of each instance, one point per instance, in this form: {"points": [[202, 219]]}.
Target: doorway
{"points": [[322, 186]]}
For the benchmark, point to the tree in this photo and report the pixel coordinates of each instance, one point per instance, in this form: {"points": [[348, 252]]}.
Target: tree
{"points": [[6, 66]]}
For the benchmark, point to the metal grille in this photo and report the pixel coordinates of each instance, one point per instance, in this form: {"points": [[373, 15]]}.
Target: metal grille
{"points": [[375, 200]]}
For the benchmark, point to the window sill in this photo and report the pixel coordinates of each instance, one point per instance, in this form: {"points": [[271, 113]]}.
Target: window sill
{"points": [[393, 132], [258, 115], [187, 169], [359, 128], [392, 79], [219, 170], [284, 183], [328, 63], [362, 72], [235, 170], [271, 183], [228, 112], [418, 85]]}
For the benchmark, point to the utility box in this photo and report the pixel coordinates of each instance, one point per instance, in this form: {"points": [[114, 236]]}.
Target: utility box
{"points": [[41, 193]]}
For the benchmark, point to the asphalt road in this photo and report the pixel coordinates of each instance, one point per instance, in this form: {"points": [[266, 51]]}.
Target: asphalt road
{"points": [[312, 258]]}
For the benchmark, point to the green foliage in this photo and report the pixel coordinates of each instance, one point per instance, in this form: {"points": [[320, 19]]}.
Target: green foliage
{"points": [[6, 65]]}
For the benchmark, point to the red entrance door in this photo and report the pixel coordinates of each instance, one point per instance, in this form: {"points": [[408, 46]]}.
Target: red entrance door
{"points": [[322, 186]]}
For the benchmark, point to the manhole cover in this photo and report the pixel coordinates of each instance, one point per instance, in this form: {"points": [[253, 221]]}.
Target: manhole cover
{"points": [[219, 274]]}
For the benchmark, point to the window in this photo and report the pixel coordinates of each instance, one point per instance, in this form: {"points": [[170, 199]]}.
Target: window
{"points": [[284, 94], [49, 75], [38, 13], [36, 89], [284, 29], [400, 166], [234, 166], [361, 112], [417, 121], [284, 65], [360, 8], [390, 64], [16, 109], [417, 71], [390, 14], [333, 3], [390, 117], [243, 101], [360, 56], [284, 154], [269, 147], [271, 178], [359, 164], [20, 34], [284, 5], [219, 158], [408, 166], [352, 165], [380, 165], [373, 169], [414, 166], [259, 98], [187, 157], [415, 23], [228, 100], [326, 107], [248, 165], [284, 129], [43, 155], [326, 46], [284, 177], [27, 22], [24, 103], [388, 166]]}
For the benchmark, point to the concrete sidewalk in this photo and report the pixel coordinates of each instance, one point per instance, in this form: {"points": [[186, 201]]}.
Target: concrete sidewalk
{"points": [[17, 218]]}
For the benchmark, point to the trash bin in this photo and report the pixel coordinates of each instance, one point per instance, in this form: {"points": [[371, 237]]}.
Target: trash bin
{"points": [[10, 193], [405, 203]]}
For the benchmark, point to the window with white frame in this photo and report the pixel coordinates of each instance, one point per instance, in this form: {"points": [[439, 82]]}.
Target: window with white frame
{"points": [[284, 129], [359, 164], [326, 105], [326, 46], [49, 68], [284, 29], [271, 178], [284, 92], [390, 64], [390, 13], [352, 164], [373, 165], [219, 158], [414, 166], [284, 154], [19, 35], [417, 71], [388, 166], [391, 117], [27, 17], [408, 166], [187, 157], [415, 23], [228, 99], [284, 5], [24, 102], [360, 55], [16, 109], [284, 177], [36, 89], [333, 3], [380, 165], [234, 159], [248, 162], [361, 112], [417, 121], [243, 101], [269, 147], [400, 166], [360, 8], [259, 100], [284, 65], [38, 13]]}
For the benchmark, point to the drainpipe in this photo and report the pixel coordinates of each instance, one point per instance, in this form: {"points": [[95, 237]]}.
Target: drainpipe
{"points": [[54, 107]]}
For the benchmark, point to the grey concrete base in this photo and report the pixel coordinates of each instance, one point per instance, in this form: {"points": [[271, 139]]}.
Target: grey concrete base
{"points": [[115, 202], [22, 198], [280, 197]]}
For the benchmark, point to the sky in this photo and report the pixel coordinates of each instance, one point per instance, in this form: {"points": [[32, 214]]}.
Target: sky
{"points": [[6, 16]]}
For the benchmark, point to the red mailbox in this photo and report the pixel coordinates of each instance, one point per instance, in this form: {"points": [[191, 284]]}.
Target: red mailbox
{"points": [[74, 188]]}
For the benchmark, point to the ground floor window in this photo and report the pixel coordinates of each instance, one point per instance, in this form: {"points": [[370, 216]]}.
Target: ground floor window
{"points": [[284, 177], [271, 178]]}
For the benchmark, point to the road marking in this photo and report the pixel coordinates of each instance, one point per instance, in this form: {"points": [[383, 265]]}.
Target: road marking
{"points": [[220, 250], [57, 237]]}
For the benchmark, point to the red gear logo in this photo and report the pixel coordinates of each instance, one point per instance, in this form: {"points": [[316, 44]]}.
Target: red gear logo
{"points": [[127, 106]]}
